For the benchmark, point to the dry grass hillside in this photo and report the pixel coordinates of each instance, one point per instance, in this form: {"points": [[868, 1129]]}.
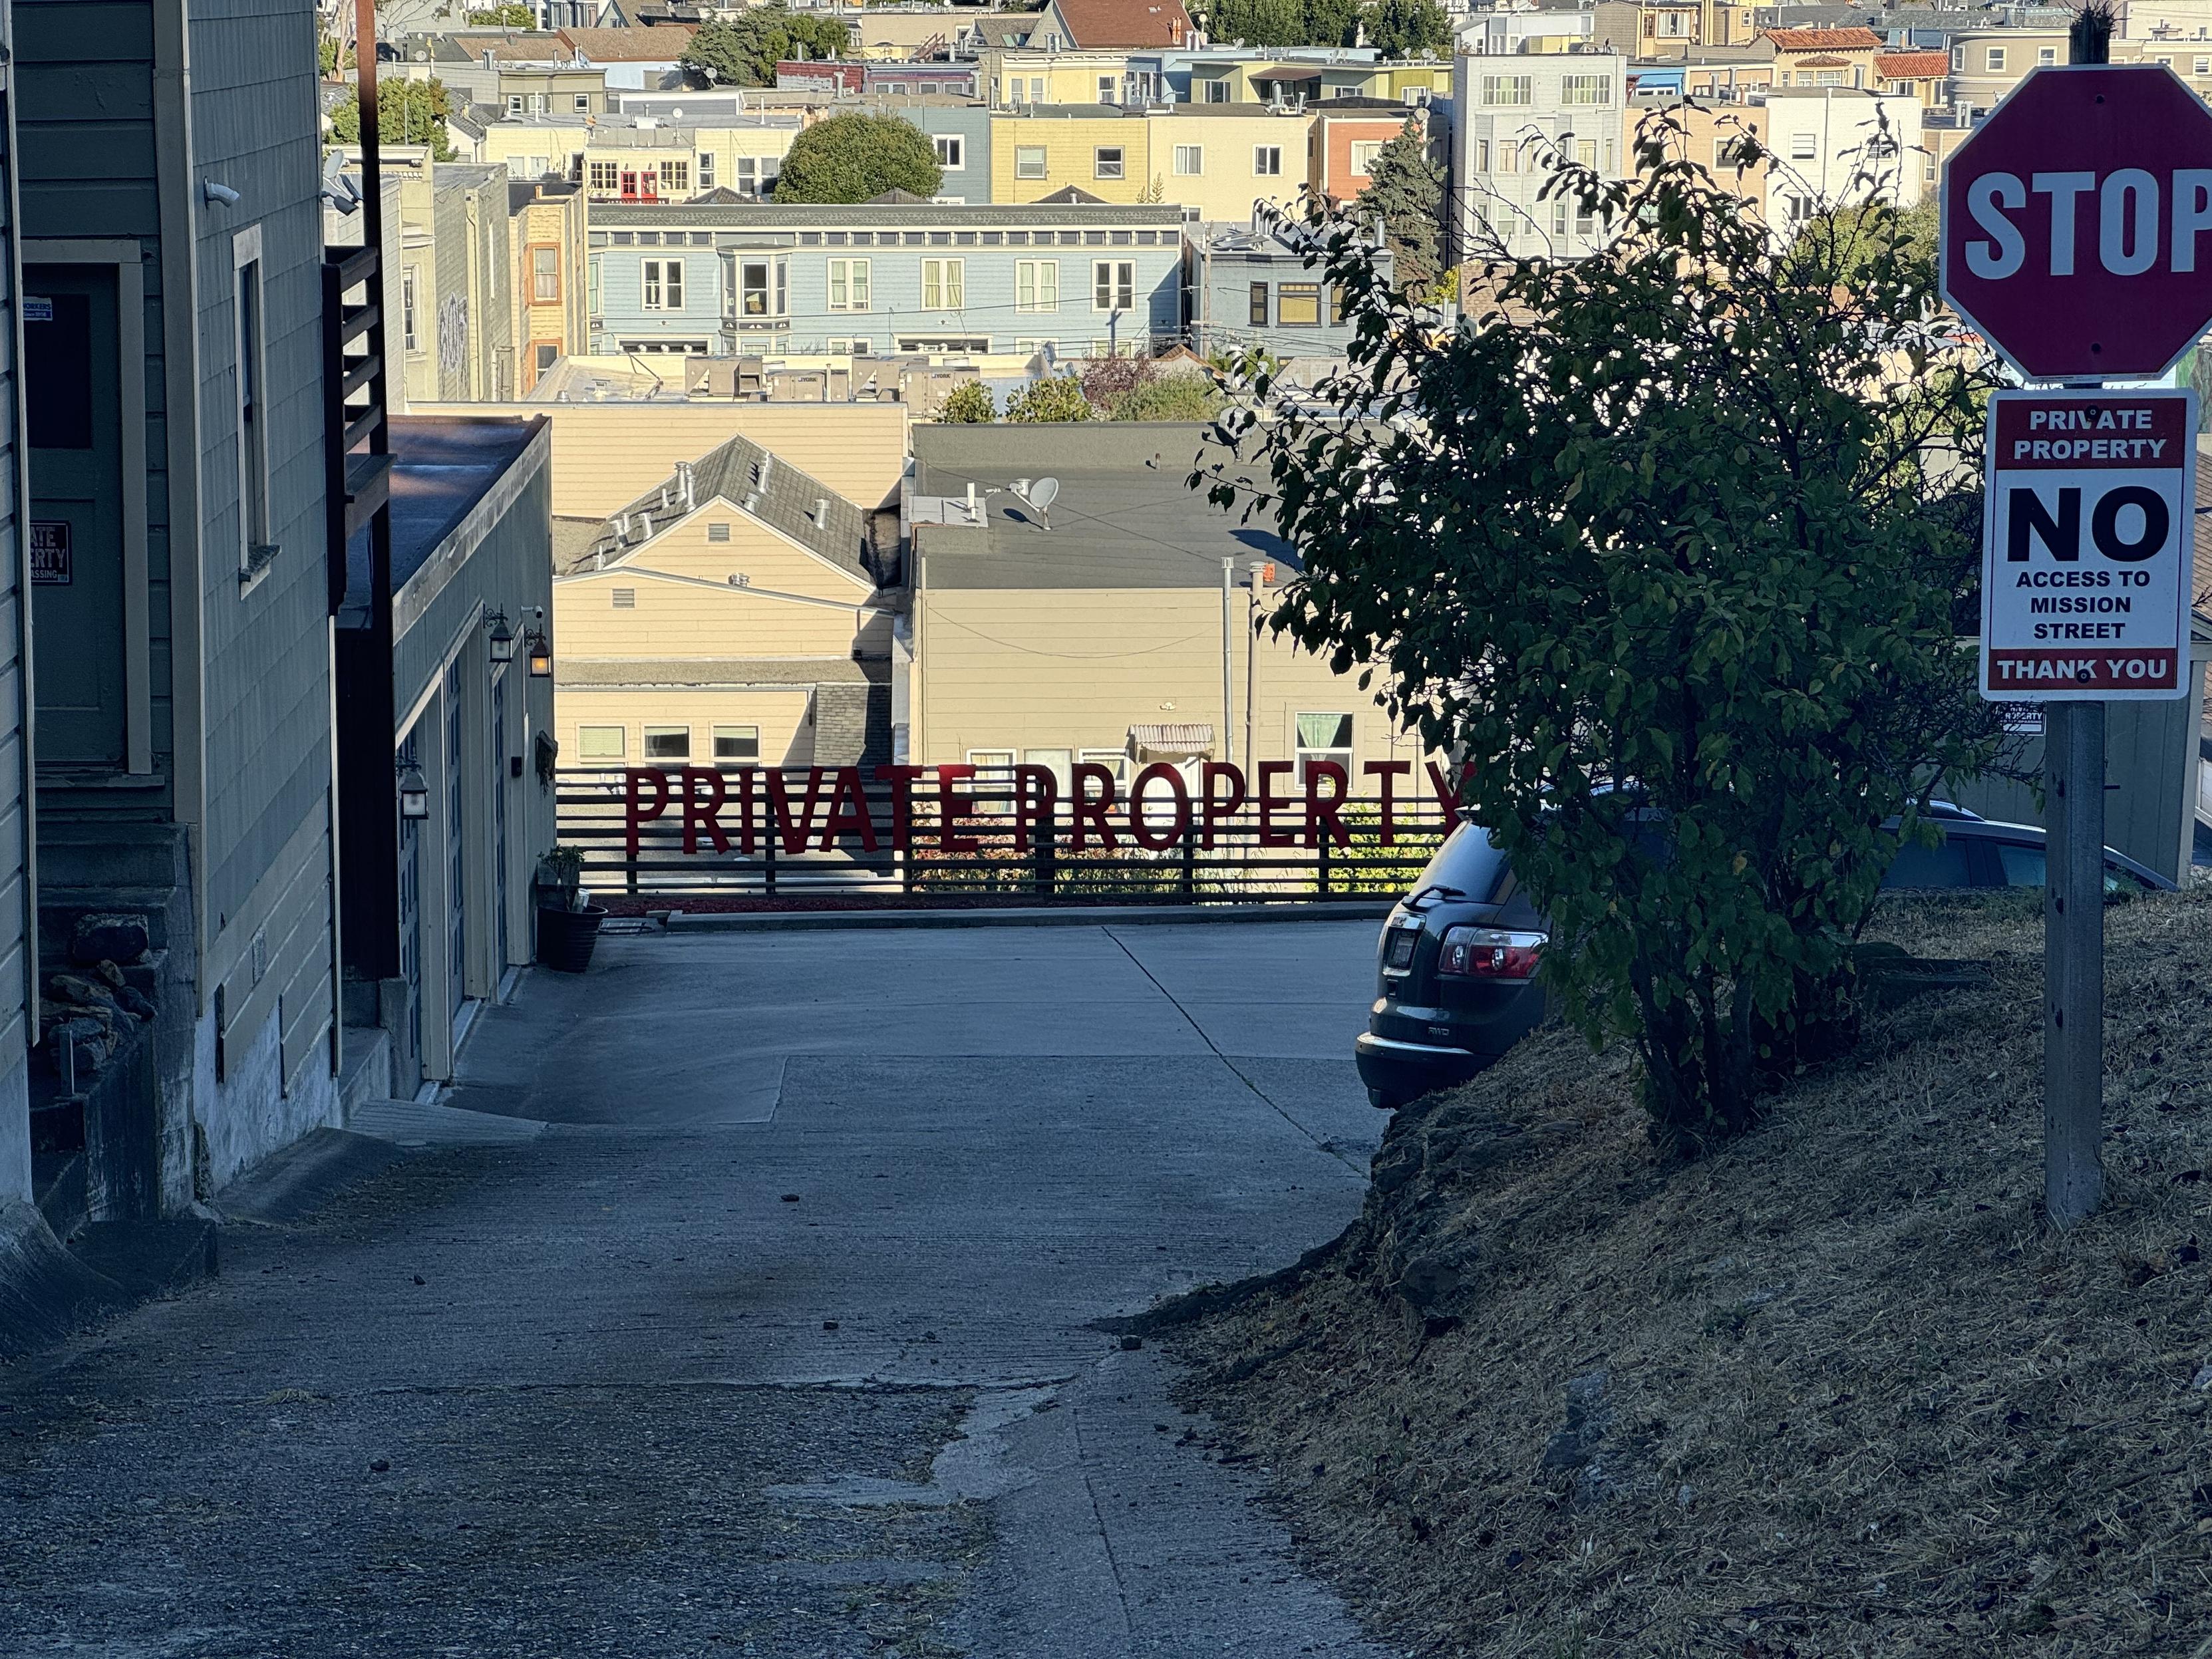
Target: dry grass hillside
{"points": [[1833, 1392]]}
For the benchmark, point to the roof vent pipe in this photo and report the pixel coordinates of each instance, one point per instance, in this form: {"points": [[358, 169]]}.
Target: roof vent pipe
{"points": [[821, 513]]}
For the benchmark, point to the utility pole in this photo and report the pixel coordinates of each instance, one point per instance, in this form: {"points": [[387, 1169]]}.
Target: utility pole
{"points": [[1252, 672], [1228, 636]]}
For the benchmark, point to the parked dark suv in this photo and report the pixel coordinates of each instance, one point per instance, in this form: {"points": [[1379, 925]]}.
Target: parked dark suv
{"points": [[1457, 960]]}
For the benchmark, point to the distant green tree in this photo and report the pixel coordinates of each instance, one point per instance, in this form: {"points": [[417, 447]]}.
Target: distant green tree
{"points": [[744, 51], [1403, 28], [969, 403], [855, 158], [1400, 27], [1059, 398], [1168, 398], [1407, 189], [327, 55], [504, 17], [407, 113]]}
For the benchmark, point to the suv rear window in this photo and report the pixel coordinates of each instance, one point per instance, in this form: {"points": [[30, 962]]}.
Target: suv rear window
{"points": [[1468, 862]]}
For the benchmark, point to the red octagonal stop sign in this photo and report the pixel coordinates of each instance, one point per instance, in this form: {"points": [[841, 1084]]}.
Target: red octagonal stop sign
{"points": [[2077, 223]]}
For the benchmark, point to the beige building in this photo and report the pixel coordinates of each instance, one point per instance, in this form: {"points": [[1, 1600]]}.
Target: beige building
{"points": [[546, 232], [1987, 64], [1826, 58], [736, 614], [1094, 630]]}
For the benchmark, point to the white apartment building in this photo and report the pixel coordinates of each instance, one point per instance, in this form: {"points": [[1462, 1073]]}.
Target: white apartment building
{"points": [[1516, 26], [1837, 147], [1515, 113]]}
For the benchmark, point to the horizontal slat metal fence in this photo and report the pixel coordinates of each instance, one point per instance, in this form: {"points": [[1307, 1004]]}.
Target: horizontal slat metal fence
{"points": [[797, 852]]}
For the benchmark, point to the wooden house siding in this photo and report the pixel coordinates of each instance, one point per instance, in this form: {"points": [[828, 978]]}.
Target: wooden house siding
{"points": [[18, 966]]}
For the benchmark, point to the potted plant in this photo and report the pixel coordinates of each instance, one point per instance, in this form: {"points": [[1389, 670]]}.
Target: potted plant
{"points": [[567, 927]]}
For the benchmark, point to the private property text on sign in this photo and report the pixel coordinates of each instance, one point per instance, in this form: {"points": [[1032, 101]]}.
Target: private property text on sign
{"points": [[2085, 568]]}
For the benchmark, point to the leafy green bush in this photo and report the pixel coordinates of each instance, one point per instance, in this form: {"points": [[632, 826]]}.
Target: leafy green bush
{"points": [[1674, 544], [969, 403], [1058, 399]]}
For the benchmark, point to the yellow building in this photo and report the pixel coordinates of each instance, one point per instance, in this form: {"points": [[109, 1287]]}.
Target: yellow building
{"points": [[546, 233], [647, 158], [1318, 77], [732, 614], [1094, 632], [1017, 76], [1220, 158]]}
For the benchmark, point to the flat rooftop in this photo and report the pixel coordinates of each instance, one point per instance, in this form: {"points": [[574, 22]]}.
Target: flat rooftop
{"points": [[441, 466]]}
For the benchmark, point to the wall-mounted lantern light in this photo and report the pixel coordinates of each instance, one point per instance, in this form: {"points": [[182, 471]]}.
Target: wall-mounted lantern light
{"points": [[414, 791], [502, 638], [541, 656]]}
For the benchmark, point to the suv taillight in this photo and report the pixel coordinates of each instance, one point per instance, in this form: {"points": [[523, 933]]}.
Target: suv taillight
{"points": [[1489, 954]]}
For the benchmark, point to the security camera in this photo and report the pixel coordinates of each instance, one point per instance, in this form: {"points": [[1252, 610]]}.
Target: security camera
{"points": [[218, 195]]}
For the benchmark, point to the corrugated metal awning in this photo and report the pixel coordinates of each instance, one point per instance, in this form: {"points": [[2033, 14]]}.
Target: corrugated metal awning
{"points": [[1172, 740]]}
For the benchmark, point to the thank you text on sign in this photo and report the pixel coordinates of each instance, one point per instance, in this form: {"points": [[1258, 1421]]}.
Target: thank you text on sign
{"points": [[2086, 568]]}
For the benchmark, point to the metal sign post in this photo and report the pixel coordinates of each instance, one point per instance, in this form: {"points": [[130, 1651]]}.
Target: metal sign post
{"points": [[2077, 227], [2089, 524]]}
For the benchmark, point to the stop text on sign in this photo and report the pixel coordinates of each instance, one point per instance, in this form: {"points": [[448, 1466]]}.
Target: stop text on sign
{"points": [[2135, 220], [2074, 222], [2088, 529]]}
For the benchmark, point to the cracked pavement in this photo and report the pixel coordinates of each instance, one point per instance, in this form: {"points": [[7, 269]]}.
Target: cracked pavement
{"points": [[778, 1341]]}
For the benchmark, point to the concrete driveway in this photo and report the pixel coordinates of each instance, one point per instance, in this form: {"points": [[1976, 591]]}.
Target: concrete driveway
{"points": [[776, 1341]]}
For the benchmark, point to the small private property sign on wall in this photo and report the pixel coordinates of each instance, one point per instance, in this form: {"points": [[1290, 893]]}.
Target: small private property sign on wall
{"points": [[2088, 533]]}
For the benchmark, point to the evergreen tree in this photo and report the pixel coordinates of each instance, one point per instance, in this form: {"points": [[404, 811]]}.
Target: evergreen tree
{"points": [[1407, 189], [745, 51]]}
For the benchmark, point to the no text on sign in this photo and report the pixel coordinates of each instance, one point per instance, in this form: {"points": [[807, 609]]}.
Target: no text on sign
{"points": [[2086, 559], [2077, 223]]}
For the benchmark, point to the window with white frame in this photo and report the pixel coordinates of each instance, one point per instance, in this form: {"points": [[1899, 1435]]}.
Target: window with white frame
{"points": [[1323, 738], [1995, 61], [1363, 158], [952, 152], [255, 534], [407, 310], [599, 743], [1106, 162], [1116, 761], [1586, 89], [1113, 285], [668, 743], [1189, 160], [2050, 55], [583, 105], [675, 178], [1109, 89], [514, 103], [849, 285], [663, 285], [943, 284], [736, 743], [1218, 92], [993, 787], [762, 288], [706, 169], [1509, 89], [544, 273], [1036, 285], [1029, 161], [606, 177], [1267, 161]]}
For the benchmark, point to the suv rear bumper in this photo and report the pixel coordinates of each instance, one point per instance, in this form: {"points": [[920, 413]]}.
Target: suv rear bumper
{"points": [[1400, 1070]]}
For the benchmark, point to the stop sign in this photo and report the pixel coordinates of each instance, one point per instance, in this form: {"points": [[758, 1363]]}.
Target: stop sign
{"points": [[2077, 223]]}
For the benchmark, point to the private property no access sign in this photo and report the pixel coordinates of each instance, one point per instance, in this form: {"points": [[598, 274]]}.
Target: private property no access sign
{"points": [[2086, 557]]}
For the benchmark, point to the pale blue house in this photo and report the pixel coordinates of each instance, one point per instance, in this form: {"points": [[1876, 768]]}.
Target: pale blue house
{"points": [[1068, 278]]}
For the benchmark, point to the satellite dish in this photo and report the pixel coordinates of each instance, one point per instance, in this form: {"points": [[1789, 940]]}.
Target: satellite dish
{"points": [[1038, 495]]}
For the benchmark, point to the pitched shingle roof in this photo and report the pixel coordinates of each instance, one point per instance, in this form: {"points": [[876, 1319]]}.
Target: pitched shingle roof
{"points": [[1094, 23], [1857, 40], [653, 43], [1912, 65], [757, 484]]}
